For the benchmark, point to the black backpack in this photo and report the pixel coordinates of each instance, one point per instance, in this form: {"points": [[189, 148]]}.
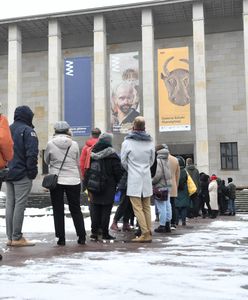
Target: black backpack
{"points": [[95, 179]]}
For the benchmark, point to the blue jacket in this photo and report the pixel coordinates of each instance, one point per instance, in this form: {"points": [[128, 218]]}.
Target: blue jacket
{"points": [[26, 150]]}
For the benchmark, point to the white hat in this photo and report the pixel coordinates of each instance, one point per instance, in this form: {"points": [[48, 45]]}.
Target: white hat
{"points": [[61, 126]]}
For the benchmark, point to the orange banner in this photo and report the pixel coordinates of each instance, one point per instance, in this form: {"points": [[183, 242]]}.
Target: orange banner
{"points": [[173, 89]]}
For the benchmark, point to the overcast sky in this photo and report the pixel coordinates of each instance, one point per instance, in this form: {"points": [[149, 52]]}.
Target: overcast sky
{"points": [[21, 8]]}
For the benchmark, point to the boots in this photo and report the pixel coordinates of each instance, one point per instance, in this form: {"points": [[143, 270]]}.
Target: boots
{"points": [[160, 229], [22, 242], [126, 227], [60, 242], [114, 227], [167, 227], [157, 218], [144, 238]]}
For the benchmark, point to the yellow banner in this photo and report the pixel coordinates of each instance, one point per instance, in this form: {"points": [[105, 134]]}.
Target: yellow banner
{"points": [[173, 89]]}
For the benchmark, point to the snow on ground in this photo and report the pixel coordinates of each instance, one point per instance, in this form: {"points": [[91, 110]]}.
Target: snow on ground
{"points": [[210, 263]]}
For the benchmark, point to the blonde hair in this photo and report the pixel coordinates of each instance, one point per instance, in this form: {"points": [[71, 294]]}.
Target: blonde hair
{"points": [[139, 123]]}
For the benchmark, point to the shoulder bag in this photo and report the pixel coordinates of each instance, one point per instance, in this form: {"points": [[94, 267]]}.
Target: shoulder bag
{"points": [[50, 180], [191, 185]]}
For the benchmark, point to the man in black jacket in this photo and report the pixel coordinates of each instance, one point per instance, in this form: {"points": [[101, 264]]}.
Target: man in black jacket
{"points": [[22, 170]]}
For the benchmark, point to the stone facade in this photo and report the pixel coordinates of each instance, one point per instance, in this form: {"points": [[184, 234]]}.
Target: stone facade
{"points": [[225, 83]]}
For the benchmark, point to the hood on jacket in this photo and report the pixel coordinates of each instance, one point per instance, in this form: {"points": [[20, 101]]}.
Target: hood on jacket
{"points": [[62, 141], [103, 153], [91, 142], [163, 153], [139, 136], [191, 167], [24, 113], [204, 177], [181, 161]]}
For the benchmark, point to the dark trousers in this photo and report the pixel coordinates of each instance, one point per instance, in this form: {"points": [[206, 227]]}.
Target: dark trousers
{"points": [[173, 210], [100, 216], [124, 209], [205, 199], [73, 197], [195, 204], [181, 213]]}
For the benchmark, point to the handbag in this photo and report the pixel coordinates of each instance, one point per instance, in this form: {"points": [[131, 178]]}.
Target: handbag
{"points": [[50, 180], [191, 185], [162, 192]]}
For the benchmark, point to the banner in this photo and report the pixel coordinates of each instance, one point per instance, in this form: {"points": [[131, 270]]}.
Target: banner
{"points": [[124, 90], [173, 89], [78, 95]]}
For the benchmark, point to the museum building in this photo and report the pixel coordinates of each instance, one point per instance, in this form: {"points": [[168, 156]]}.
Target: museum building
{"points": [[203, 45]]}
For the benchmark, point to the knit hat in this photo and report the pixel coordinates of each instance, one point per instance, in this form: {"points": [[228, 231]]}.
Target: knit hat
{"points": [[213, 177], [106, 138], [165, 147], [61, 127]]}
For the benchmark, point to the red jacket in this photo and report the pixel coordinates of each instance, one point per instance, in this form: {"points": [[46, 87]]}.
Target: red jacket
{"points": [[6, 142], [85, 154]]}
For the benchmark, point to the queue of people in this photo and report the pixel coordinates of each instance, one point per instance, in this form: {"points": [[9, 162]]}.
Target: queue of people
{"points": [[140, 172]]}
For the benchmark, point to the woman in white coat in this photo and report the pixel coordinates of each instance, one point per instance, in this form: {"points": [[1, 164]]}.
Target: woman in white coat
{"points": [[213, 195], [69, 181]]}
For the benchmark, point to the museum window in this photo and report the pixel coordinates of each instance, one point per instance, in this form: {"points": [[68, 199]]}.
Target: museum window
{"points": [[229, 156]]}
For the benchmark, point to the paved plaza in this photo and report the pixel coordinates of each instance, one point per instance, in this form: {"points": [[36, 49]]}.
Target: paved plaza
{"points": [[206, 259]]}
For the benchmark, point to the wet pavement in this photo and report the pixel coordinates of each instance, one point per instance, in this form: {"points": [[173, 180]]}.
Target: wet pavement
{"points": [[207, 258], [46, 247]]}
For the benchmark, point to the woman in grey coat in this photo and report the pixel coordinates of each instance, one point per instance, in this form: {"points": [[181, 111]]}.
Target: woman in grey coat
{"points": [[163, 181], [69, 181]]}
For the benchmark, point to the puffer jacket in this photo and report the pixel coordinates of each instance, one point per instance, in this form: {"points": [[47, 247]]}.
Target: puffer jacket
{"points": [[25, 160], [163, 176], [6, 142], [54, 155]]}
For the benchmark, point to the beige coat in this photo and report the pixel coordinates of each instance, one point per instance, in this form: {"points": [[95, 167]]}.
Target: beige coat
{"points": [[175, 174]]}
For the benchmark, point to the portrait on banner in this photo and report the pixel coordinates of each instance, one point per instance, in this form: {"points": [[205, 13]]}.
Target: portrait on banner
{"points": [[124, 91]]}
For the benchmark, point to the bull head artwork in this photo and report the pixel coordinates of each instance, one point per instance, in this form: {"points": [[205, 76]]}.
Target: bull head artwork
{"points": [[177, 83]]}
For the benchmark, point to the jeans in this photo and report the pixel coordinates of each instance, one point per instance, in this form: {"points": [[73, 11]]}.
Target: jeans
{"points": [[17, 197], [165, 212], [231, 206]]}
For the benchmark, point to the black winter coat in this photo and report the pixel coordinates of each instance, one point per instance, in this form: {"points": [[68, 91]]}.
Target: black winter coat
{"points": [[113, 172]]}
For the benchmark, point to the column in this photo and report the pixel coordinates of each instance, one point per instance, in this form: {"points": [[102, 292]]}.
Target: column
{"points": [[14, 70], [100, 62], [245, 30], [201, 124], [54, 75], [148, 72]]}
